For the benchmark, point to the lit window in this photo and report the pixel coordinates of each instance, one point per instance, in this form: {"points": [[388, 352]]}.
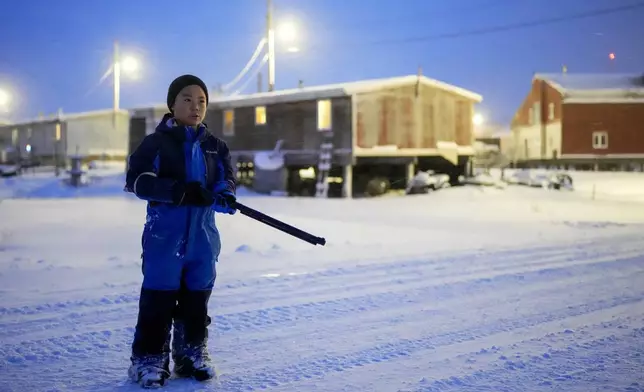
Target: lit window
{"points": [[324, 115], [551, 111], [600, 140], [260, 115], [229, 123]]}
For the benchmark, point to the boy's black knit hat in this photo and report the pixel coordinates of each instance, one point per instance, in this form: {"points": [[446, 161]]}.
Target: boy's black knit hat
{"points": [[180, 83]]}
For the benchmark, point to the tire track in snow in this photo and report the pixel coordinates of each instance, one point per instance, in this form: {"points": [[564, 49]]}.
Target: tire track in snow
{"points": [[110, 343], [386, 270], [112, 336], [481, 296], [611, 361], [311, 368], [447, 365], [270, 377], [416, 319], [406, 276], [73, 320], [393, 264]]}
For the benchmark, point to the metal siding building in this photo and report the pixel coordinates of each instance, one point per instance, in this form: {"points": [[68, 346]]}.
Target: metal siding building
{"points": [[92, 134], [409, 121]]}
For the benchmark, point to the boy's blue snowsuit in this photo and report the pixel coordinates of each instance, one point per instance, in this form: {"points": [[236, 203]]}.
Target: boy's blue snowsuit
{"points": [[180, 244]]}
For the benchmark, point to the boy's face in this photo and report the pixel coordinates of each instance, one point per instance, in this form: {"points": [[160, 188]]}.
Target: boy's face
{"points": [[190, 106]]}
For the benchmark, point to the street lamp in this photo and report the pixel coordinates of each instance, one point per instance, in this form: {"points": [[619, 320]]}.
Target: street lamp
{"points": [[5, 100], [130, 65], [287, 33], [478, 119]]}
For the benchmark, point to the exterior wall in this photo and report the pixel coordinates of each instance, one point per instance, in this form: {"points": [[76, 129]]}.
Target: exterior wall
{"points": [[88, 134], [623, 123], [537, 124], [529, 143], [98, 134], [152, 117], [507, 146], [40, 136], [386, 118], [294, 122], [397, 117]]}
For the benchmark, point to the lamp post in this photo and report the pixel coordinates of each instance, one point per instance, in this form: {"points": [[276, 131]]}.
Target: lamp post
{"points": [[128, 64], [287, 32]]}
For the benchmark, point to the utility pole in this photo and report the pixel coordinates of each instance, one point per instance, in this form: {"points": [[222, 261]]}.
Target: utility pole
{"points": [[116, 72], [270, 36]]}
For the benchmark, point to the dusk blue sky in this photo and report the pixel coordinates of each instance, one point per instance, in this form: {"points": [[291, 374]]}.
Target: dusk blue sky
{"points": [[53, 53]]}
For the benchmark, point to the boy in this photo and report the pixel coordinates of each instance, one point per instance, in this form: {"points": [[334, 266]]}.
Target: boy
{"points": [[185, 174]]}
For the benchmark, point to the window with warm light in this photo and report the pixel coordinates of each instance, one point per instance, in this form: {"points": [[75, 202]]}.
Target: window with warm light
{"points": [[260, 115], [229, 122], [324, 115]]}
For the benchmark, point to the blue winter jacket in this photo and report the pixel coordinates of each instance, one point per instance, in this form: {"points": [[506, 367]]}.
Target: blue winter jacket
{"points": [[174, 236]]}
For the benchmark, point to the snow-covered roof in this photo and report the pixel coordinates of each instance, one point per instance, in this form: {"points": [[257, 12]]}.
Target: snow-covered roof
{"points": [[588, 88], [333, 91], [64, 116]]}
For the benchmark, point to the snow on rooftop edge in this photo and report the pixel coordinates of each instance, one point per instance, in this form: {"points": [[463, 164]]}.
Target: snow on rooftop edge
{"points": [[304, 93], [567, 83], [334, 90]]}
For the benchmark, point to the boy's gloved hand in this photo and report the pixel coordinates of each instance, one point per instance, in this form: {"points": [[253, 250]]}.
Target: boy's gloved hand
{"points": [[225, 202], [193, 194]]}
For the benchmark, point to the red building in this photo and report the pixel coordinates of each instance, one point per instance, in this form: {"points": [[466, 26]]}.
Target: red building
{"points": [[592, 121]]}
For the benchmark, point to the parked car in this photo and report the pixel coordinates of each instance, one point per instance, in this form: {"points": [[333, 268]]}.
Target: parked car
{"points": [[9, 170], [541, 179], [426, 181]]}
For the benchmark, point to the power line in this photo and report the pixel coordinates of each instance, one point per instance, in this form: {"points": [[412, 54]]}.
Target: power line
{"points": [[248, 65], [253, 75], [400, 19], [503, 28]]}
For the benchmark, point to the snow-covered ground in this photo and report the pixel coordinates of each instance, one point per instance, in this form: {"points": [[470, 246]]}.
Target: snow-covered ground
{"points": [[616, 186], [466, 289]]}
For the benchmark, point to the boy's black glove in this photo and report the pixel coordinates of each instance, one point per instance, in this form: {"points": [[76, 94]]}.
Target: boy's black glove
{"points": [[225, 202], [193, 194]]}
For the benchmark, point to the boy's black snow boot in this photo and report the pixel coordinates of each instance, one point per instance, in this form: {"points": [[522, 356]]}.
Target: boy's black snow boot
{"points": [[151, 346], [151, 371], [190, 337]]}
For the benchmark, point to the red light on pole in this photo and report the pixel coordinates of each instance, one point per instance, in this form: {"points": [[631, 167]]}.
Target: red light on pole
{"points": [[611, 56]]}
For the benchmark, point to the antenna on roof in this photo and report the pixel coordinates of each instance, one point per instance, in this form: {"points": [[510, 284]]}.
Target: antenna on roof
{"points": [[417, 86]]}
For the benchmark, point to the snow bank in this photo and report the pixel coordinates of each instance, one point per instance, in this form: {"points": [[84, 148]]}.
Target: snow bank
{"points": [[617, 186]]}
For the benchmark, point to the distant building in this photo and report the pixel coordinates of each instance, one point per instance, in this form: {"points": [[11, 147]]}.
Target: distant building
{"points": [[51, 139], [588, 121], [349, 135]]}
